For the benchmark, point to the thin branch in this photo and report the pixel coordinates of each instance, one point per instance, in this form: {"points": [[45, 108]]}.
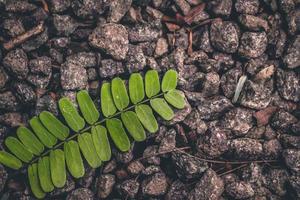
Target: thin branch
{"points": [[234, 169], [23, 37], [162, 153]]}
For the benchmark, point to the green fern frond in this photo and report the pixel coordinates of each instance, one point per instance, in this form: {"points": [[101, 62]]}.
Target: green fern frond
{"points": [[50, 146]]}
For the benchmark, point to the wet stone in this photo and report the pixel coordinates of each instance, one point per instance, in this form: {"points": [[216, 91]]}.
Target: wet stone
{"points": [[16, 62], [155, 185], [81, 194], [213, 144], [3, 78], [222, 7], [209, 187], [128, 188], [253, 44], [144, 33], [180, 115], [84, 59], [24, 93], [92, 74], [110, 68], [224, 36], [36, 42], [247, 6], [286, 5], [194, 122], [69, 186], [253, 23], [73, 75], [88, 9], [110, 166], [246, 149], [57, 6], [203, 41], [168, 142], [224, 61], [177, 191], [39, 81], [211, 84], [257, 95], [239, 121], [292, 159], [135, 167], [161, 47], [149, 151], [188, 167], [64, 24], [272, 149], [19, 6], [46, 102], [152, 169], [111, 38], [8, 101], [118, 9], [105, 184], [13, 27], [123, 157], [290, 141], [136, 60], [229, 81], [288, 84], [213, 108], [292, 56], [239, 190], [283, 120], [276, 180], [41, 65], [3, 177], [293, 21], [294, 182], [12, 119]]}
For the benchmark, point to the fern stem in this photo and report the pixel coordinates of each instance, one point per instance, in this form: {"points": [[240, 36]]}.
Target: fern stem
{"points": [[89, 127]]}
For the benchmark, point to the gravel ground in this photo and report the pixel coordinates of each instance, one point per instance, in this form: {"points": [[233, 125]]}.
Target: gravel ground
{"points": [[216, 147]]}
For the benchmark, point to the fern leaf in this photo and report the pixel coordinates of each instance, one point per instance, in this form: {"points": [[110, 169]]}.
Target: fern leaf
{"points": [[169, 81], [30, 141], [107, 102], [17, 148], [118, 134], [34, 181], [136, 88], [119, 93], [56, 127], [175, 98], [133, 125], [44, 174], [152, 84], [58, 168], [72, 117], [73, 159], [101, 142], [42, 133], [88, 149], [160, 106], [87, 107], [145, 115], [10, 160]]}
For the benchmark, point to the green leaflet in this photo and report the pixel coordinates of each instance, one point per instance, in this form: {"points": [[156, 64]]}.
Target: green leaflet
{"points": [[87, 107], [30, 141], [58, 129], [34, 182], [152, 85], [119, 93], [136, 88], [88, 149], [44, 174], [145, 115], [107, 102], [175, 98], [162, 108], [133, 125], [10, 160], [58, 168], [118, 134], [169, 81], [17, 148], [73, 159], [42, 133], [101, 142], [72, 117]]}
